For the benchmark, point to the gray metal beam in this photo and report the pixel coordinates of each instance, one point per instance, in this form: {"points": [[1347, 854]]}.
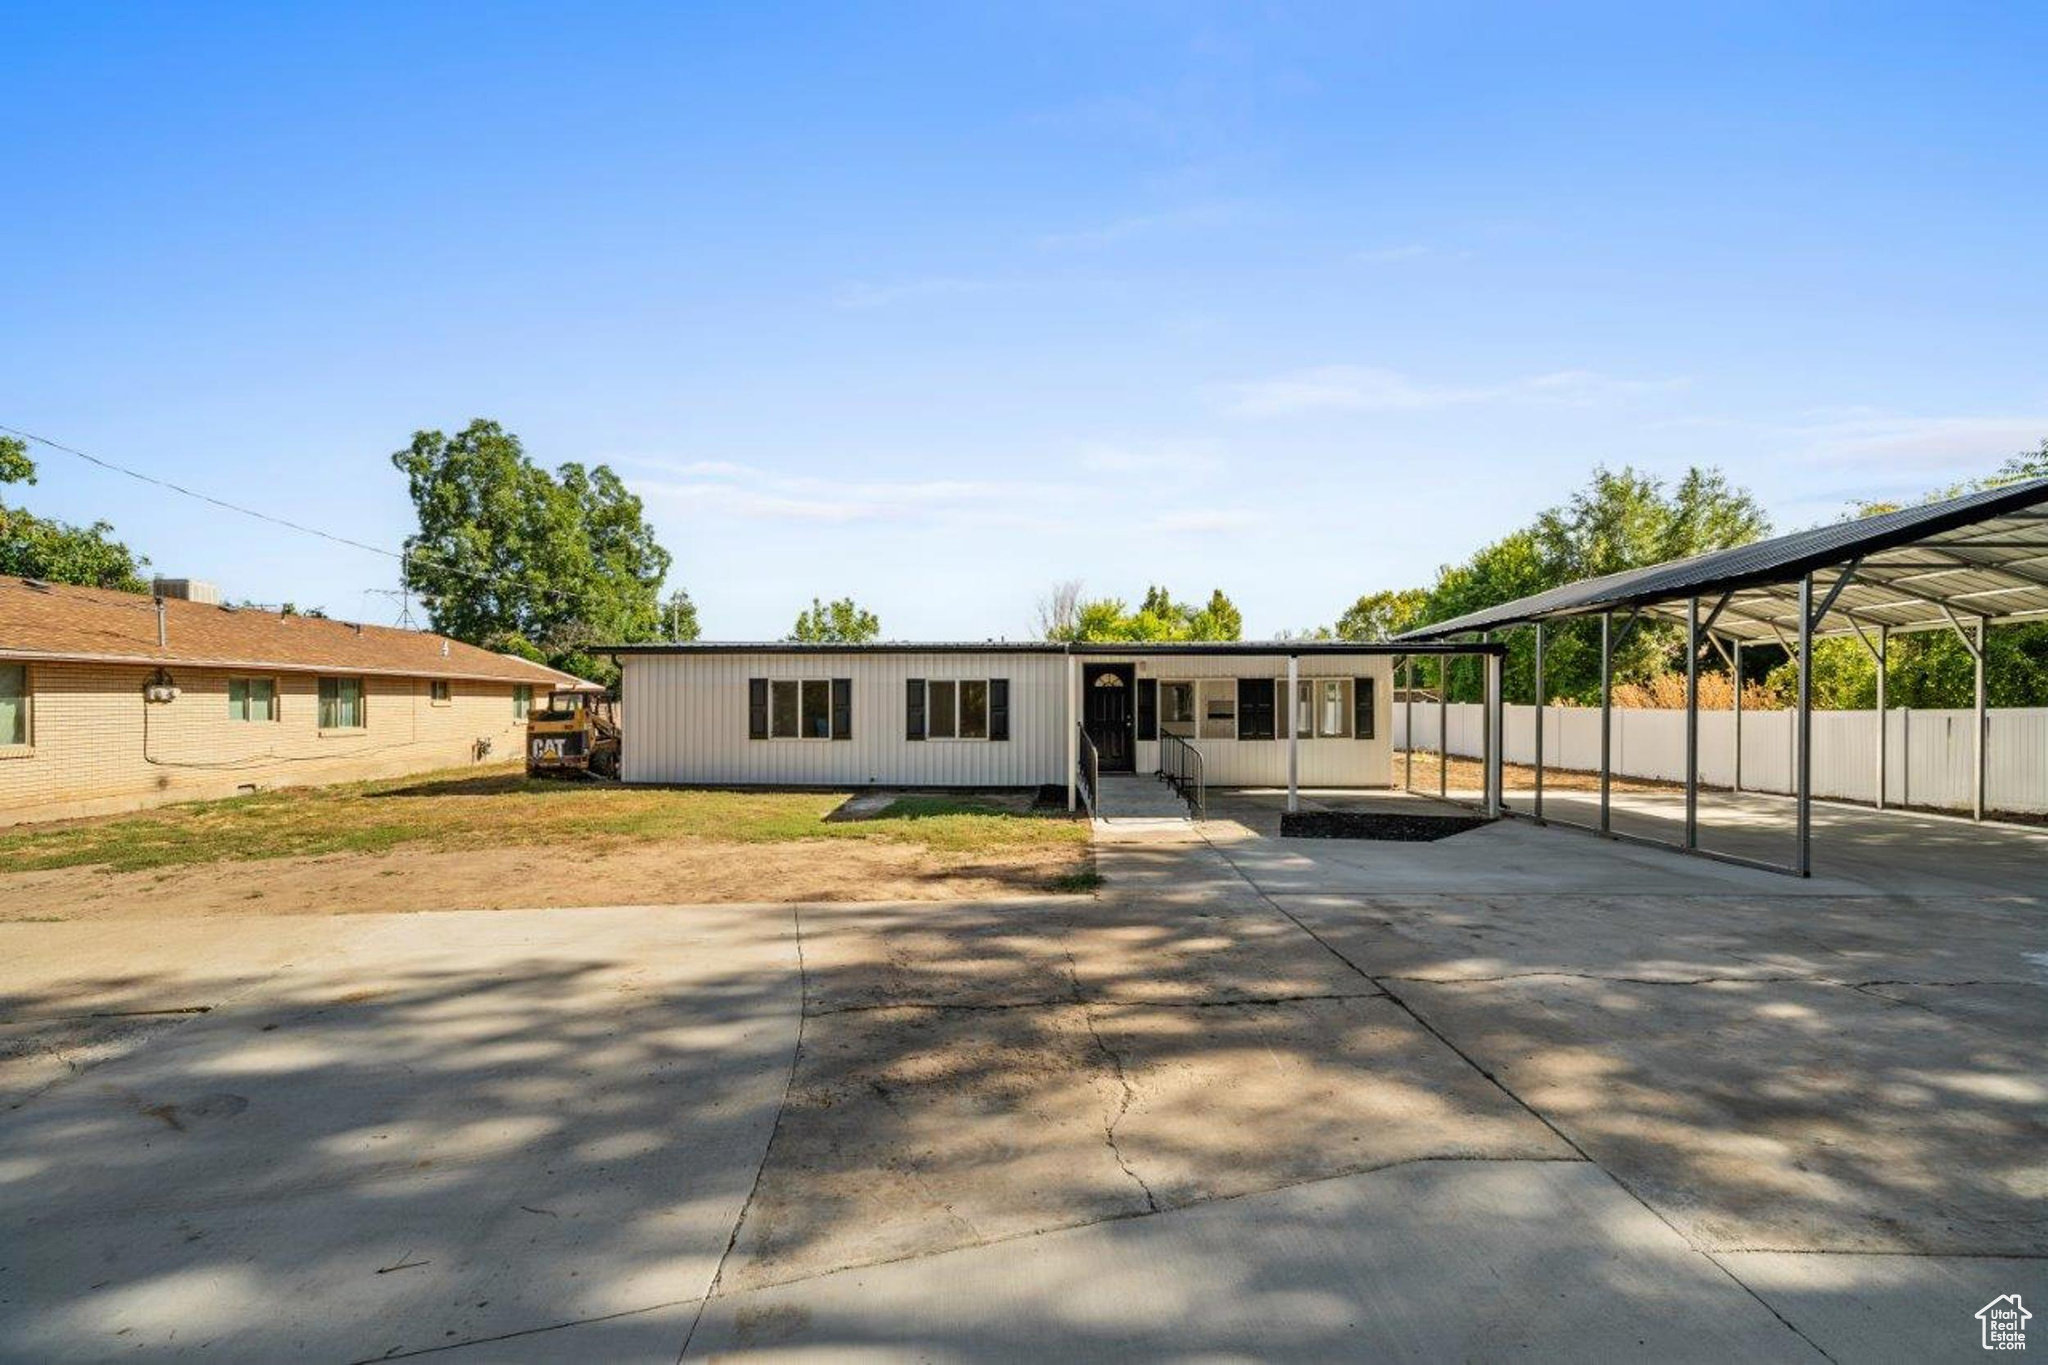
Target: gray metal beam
{"points": [[1803, 858], [1692, 724], [1539, 723], [1606, 720]]}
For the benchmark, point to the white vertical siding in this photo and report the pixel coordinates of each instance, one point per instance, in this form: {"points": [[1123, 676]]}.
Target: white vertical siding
{"points": [[685, 718]]}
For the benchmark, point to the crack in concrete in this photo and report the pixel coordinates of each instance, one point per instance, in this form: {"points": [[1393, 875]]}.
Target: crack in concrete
{"points": [[106, 1014], [1069, 1001], [1900, 1253], [1166, 1209], [803, 977], [439, 1347], [1799, 979], [1116, 1062]]}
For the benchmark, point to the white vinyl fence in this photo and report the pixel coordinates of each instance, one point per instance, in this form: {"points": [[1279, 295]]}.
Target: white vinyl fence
{"points": [[1929, 762]]}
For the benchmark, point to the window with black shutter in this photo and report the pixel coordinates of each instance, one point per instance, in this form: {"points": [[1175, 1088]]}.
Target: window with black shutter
{"points": [[913, 714], [1254, 708], [1148, 708], [757, 708], [1362, 708], [998, 708], [842, 708]]}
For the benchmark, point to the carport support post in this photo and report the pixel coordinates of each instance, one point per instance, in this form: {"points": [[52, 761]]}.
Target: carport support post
{"points": [[1884, 643], [1407, 722], [1978, 752], [1692, 723], [1606, 715], [1803, 777], [1736, 667], [1293, 733], [1538, 805], [1488, 736], [1073, 725], [1443, 725], [1496, 734]]}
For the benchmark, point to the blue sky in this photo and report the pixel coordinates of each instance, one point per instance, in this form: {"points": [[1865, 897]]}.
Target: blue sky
{"points": [[934, 306]]}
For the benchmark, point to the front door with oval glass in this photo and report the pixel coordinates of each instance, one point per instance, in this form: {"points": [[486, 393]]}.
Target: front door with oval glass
{"points": [[1108, 714]]}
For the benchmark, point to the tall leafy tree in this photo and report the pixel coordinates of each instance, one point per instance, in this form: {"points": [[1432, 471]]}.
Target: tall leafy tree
{"points": [[1621, 519], [511, 557], [1066, 615], [56, 551], [1383, 615], [841, 622], [1219, 619]]}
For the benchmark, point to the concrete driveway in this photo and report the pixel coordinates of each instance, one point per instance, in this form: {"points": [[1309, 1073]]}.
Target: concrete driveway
{"points": [[1260, 1099]]}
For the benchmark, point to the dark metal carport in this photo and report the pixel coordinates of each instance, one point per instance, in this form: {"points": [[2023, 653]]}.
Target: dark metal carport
{"points": [[1964, 564]]}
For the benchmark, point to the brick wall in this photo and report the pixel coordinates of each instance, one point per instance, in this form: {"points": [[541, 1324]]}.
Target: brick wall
{"points": [[98, 747]]}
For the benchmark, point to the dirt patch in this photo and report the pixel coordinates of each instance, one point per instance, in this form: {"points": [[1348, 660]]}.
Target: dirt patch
{"points": [[507, 878], [1467, 775]]}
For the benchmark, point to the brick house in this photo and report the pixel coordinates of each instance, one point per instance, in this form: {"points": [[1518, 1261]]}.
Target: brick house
{"points": [[113, 700]]}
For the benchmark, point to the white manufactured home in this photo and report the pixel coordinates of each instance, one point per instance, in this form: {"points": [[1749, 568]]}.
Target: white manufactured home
{"points": [[1003, 715]]}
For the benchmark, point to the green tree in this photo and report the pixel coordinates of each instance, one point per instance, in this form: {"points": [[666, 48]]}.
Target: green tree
{"points": [[1219, 620], [1383, 615], [842, 622], [56, 551], [1159, 619], [510, 557], [1622, 519]]}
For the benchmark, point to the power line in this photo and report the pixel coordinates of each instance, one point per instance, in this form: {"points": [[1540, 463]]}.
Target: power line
{"points": [[202, 497], [405, 559]]}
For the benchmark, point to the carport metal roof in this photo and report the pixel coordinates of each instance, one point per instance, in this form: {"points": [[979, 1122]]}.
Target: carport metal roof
{"points": [[1983, 556]]}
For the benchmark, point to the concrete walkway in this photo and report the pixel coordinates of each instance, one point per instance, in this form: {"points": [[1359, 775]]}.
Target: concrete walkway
{"points": [[1139, 804]]}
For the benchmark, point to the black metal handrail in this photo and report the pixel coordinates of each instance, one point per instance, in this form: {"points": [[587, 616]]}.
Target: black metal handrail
{"points": [[1088, 771], [1181, 764]]}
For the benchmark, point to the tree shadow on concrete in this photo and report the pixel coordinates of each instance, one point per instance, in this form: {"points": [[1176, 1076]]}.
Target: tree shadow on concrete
{"points": [[451, 1140]]}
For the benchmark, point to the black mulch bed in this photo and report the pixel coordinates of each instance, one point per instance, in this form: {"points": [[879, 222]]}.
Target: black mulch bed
{"points": [[1349, 824]]}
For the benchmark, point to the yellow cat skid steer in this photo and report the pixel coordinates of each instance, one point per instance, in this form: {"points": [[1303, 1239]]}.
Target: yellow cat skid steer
{"points": [[575, 735]]}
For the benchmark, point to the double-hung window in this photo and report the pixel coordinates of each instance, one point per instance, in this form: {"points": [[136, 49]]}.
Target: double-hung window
{"points": [[15, 730], [439, 692], [1322, 708], [522, 700], [252, 699], [958, 708], [341, 704], [800, 708], [1177, 708]]}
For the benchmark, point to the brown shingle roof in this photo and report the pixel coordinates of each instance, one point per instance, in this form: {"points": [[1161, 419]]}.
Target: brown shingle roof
{"points": [[59, 621]]}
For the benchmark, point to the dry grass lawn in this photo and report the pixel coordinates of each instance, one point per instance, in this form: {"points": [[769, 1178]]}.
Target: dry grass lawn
{"points": [[496, 840]]}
